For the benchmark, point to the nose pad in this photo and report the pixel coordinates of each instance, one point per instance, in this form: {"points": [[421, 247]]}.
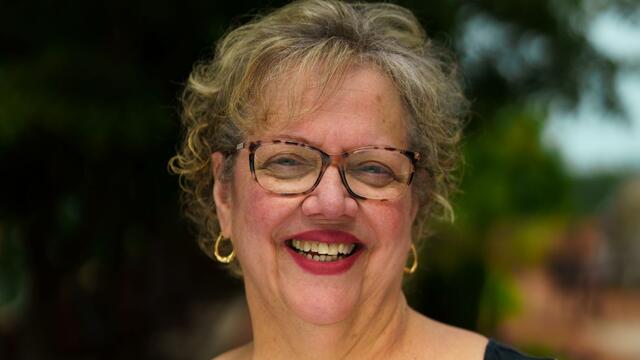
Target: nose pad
{"points": [[331, 197]]}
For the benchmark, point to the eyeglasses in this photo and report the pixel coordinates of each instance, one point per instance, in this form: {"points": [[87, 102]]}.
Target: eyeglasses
{"points": [[291, 168]]}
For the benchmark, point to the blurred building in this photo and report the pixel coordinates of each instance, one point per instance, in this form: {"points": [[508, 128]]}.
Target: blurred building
{"points": [[585, 301], [621, 251]]}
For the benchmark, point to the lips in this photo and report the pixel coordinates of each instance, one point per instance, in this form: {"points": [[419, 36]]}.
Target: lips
{"points": [[324, 252]]}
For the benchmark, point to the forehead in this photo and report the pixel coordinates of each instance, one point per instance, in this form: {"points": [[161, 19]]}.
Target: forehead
{"points": [[362, 107]]}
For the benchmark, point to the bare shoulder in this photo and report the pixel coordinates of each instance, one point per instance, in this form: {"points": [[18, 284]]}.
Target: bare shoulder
{"points": [[441, 341], [239, 353]]}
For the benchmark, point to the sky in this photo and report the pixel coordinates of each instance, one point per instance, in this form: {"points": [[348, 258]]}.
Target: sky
{"points": [[588, 139]]}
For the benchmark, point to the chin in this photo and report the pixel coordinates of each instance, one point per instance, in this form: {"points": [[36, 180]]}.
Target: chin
{"points": [[320, 299], [322, 305]]}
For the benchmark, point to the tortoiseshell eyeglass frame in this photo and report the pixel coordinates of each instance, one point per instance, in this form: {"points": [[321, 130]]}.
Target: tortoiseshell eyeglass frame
{"points": [[327, 160]]}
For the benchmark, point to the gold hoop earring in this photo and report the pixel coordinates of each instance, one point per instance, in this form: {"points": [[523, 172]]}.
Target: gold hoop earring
{"points": [[414, 266], [216, 251]]}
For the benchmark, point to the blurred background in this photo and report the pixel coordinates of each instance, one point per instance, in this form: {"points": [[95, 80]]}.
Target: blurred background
{"points": [[96, 261]]}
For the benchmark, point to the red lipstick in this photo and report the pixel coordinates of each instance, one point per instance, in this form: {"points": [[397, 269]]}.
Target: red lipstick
{"points": [[326, 267], [327, 236]]}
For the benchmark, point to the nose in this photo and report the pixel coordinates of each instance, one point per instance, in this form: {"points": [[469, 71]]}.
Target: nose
{"points": [[330, 199]]}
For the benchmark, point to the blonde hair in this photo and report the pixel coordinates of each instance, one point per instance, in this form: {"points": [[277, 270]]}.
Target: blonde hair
{"points": [[226, 97]]}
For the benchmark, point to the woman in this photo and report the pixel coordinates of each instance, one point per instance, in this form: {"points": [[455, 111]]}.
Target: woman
{"points": [[318, 141]]}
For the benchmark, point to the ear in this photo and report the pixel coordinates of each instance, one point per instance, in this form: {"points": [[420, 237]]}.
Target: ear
{"points": [[221, 194]]}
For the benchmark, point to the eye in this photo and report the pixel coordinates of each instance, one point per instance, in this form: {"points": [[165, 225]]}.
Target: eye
{"points": [[373, 173], [284, 160], [286, 166], [375, 169]]}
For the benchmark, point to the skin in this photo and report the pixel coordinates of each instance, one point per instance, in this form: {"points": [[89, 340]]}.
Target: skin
{"points": [[361, 313]]}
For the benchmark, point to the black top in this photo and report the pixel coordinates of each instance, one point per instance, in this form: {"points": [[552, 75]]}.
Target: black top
{"points": [[497, 351]]}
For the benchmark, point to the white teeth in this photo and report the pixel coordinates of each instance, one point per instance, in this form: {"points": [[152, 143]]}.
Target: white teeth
{"points": [[348, 248], [333, 249], [323, 251], [345, 248]]}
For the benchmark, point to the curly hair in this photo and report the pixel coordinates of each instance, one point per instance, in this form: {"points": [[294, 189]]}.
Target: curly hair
{"points": [[226, 97]]}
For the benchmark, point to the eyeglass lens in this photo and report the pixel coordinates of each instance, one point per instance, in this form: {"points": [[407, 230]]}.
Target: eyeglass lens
{"points": [[294, 169]]}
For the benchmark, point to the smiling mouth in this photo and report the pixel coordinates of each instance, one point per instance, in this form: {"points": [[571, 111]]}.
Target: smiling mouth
{"points": [[320, 251]]}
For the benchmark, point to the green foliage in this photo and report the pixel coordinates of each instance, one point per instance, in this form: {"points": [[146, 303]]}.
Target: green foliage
{"points": [[509, 173], [515, 199], [499, 299]]}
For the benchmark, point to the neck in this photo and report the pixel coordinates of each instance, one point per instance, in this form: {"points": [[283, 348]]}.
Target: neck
{"points": [[376, 330]]}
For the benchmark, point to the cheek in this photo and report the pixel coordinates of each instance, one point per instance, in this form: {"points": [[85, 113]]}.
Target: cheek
{"points": [[392, 223], [250, 210], [250, 205], [394, 220], [255, 217], [250, 234]]}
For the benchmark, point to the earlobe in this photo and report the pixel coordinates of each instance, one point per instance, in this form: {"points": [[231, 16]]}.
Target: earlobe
{"points": [[221, 194]]}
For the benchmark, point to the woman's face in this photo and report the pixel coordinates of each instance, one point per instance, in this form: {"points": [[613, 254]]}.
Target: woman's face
{"points": [[364, 110]]}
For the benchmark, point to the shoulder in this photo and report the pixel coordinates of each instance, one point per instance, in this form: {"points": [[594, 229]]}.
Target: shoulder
{"points": [[239, 353], [435, 340], [497, 351]]}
